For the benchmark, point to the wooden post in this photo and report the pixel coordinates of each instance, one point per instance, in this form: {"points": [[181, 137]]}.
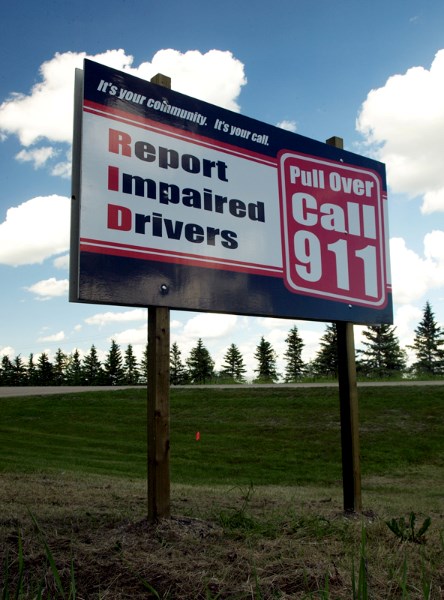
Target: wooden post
{"points": [[348, 398], [158, 400], [158, 404]]}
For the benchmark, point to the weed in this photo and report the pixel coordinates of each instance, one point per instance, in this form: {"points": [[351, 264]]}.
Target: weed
{"points": [[360, 587], [405, 531]]}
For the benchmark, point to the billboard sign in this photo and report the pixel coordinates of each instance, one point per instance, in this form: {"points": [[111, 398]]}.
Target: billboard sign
{"points": [[180, 203]]}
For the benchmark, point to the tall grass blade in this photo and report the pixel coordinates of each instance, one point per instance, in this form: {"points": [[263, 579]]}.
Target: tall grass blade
{"points": [[18, 590], [5, 591], [73, 589], [49, 556]]}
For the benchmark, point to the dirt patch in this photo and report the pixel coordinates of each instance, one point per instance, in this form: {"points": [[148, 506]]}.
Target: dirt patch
{"points": [[220, 543]]}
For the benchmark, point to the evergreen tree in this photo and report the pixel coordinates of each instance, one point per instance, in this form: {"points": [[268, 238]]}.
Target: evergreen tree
{"points": [[6, 371], [382, 356], [59, 367], [143, 369], [31, 370], [19, 371], [325, 363], [178, 373], [74, 369], [130, 371], [233, 367], [428, 345], [113, 369], [92, 372], [295, 367], [200, 364], [44, 370], [266, 359]]}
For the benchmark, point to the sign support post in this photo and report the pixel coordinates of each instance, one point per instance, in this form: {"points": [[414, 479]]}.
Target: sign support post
{"points": [[158, 413], [158, 400], [348, 399]]}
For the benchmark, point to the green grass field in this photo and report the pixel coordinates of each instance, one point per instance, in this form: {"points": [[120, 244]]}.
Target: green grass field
{"points": [[264, 437]]}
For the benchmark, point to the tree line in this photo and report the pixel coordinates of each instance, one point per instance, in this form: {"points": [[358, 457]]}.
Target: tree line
{"points": [[381, 357]]}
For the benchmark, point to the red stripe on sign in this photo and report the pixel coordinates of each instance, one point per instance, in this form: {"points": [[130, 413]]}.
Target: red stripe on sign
{"points": [[154, 254]]}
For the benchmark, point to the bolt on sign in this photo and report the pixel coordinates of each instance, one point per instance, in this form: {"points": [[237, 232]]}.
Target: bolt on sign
{"points": [[183, 204]]}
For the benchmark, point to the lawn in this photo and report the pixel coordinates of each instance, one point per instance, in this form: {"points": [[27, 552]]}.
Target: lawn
{"points": [[264, 437]]}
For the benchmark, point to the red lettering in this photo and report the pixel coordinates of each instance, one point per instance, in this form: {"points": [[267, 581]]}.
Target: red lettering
{"points": [[119, 217], [113, 179], [119, 142]]}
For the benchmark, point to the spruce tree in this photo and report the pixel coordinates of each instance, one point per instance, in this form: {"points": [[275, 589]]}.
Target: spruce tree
{"points": [[130, 370], [382, 356], [295, 366], [266, 359], [428, 345], [6, 371], [200, 364], [74, 369], [325, 363], [59, 367], [30, 370], [143, 367], [113, 369], [233, 367], [178, 374], [19, 371], [92, 372], [44, 370]]}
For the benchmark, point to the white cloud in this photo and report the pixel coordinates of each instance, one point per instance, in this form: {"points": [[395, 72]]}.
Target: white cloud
{"points": [[37, 156], [210, 326], [288, 125], [45, 113], [413, 275], [101, 319], [7, 351], [56, 337], [215, 76], [61, 262], [49, 288], [404, 121], [35, 230], [132, 336]]}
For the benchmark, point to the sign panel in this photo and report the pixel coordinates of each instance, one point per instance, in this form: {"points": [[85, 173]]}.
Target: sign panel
{"points": [[180, 203]]}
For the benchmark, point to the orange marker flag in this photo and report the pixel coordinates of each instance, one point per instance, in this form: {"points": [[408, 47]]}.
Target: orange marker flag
{"points": [[197, 436]]}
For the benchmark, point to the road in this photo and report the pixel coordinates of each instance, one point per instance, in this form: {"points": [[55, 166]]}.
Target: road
{"points": [[9, 392]]}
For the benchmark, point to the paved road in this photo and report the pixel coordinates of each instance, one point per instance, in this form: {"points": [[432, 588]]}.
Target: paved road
{"points": [[8, 392]]}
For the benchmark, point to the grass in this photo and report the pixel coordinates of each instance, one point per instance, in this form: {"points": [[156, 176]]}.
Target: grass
{"points": [[256, 502], [294, 434]]}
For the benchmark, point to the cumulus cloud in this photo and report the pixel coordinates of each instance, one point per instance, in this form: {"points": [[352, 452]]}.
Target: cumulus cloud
{"points": [[134, 336], [45, 112], [287, 125], [7, 351], [210, 325], [35, 230], [427, 271], [403, 122], [56, 337], [38, 156], [49, 288], [61, 262], [101, 319]]}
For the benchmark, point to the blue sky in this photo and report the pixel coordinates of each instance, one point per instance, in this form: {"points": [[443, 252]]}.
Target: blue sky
{"points": [[370, 72]]}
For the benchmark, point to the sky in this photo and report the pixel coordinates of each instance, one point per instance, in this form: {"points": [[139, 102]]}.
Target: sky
{"points": [[371, 72]]}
